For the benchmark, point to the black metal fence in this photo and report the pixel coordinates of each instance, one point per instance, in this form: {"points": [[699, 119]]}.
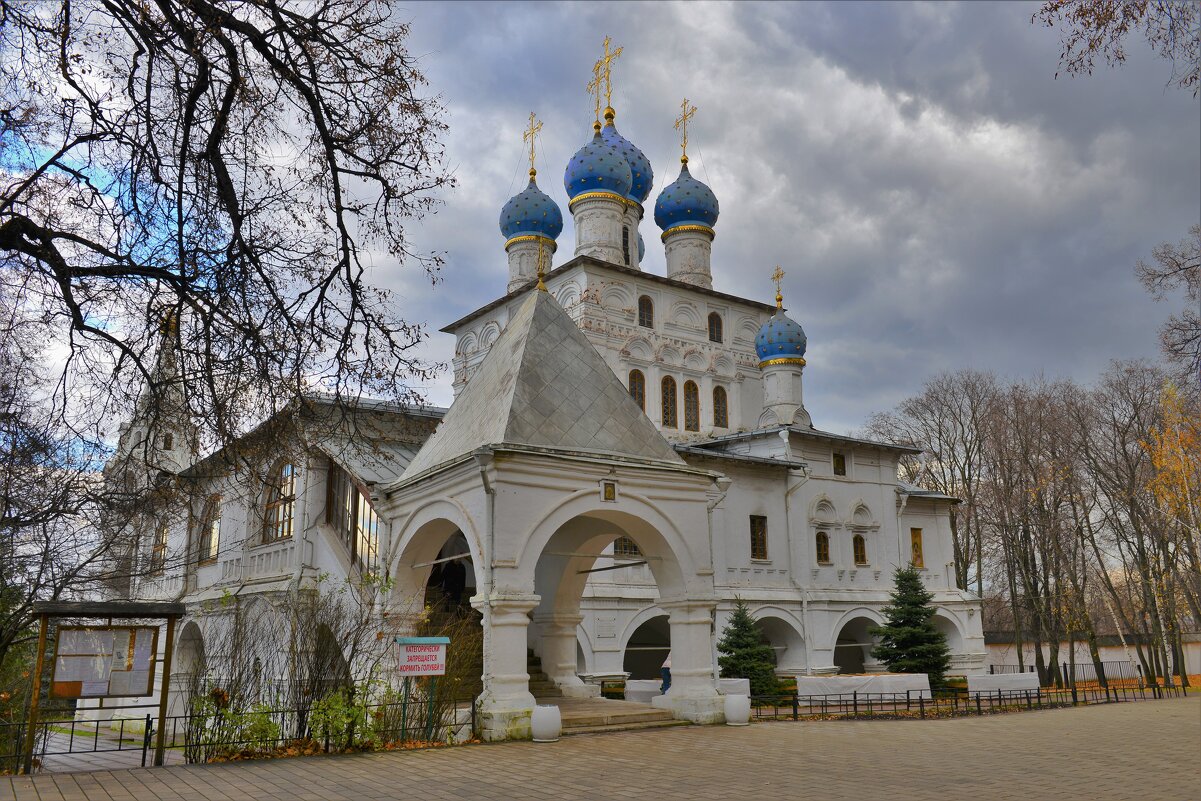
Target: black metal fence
{"points": [[919, 704], [201, 738], [1104, 674]]}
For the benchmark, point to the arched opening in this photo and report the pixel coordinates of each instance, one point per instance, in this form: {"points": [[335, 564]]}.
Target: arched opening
{"points": [[715, 333], [648, 646], [692, 407], [721, 408], [669, 402], [638, 388], [949, 629], [786, 641], [853, 647], [190, 664], [646, 312], [281, 502]]}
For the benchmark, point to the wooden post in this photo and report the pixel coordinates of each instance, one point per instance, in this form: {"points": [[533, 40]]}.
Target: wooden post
{"points": [[31, 724], [159, 744]]}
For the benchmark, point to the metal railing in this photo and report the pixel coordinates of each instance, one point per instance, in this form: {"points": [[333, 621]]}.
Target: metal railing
{"points": [[1105, 674]]}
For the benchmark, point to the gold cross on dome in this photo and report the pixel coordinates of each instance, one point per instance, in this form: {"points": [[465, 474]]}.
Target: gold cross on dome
{"points": [[687, 113], [528, 136], [778, 277], [605, 67], [594, 89]]}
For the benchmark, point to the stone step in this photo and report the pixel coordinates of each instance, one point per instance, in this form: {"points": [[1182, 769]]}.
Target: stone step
{"points": [[573, 720], [605, 728]]}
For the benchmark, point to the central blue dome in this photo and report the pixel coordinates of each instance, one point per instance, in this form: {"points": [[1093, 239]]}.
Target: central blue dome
{"points": [[531, 212], [643, 177], [598, 167], [780, 338], [686, 201]]}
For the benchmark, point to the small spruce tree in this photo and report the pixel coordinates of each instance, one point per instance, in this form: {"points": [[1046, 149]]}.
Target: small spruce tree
{"points": [[746, 654], [909, 641]]}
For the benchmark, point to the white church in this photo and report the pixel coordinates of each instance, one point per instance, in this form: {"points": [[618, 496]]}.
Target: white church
{"points": [[626, 455]]}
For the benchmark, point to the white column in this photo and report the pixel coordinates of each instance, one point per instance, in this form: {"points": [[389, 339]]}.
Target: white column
{"points": [[558, 654], [598, 221], [692, 695], [689, 250], [506, 702], [633, 215]]}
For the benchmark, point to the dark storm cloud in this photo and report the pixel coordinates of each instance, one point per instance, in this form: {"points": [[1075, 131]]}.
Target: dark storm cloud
{"points": [[937, 198]]}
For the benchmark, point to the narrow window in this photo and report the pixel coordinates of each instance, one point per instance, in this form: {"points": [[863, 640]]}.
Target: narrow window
{"points": [[158, 551], [840, 464], [692, 407], [669, 403], [168, 441], [210, 532], [646, 312], [715, 327], [915, 544], [860, 549], [721, 410], [758, 537], [823, 548], [625, 243], [349, 512], [638, 388], [624, 546], [281, 503]]}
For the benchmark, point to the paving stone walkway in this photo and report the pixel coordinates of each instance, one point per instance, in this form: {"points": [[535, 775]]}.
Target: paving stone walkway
{"points": [[1148, 750]]}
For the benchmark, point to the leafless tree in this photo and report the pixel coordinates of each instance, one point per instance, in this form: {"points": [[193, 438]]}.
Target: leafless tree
{"points": [[1179, 267]]}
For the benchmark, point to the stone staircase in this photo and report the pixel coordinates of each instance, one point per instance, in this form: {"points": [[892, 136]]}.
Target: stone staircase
{"points": [[540, 684]]}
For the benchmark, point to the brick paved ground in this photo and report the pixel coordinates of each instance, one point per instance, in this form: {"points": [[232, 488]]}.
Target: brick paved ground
{"points": [[1149, 750]]}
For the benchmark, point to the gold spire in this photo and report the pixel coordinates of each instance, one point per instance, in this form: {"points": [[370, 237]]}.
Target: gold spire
{"points": [[528, 136], [604, 68], [541, 266], [594, 89], [778, 277], [682, 126]]}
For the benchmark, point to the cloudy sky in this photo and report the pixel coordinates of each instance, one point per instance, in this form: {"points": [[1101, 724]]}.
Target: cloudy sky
{"points": [[936, 196]]}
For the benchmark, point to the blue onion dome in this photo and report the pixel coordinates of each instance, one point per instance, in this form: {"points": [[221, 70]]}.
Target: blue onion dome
{"points": [[686, 201], [640, 166], [597, 167], [641, 248], [531, 211], [780, 339]]}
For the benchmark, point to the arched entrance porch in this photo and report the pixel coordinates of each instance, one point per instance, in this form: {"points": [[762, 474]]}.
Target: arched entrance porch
{"points": [[853, 645]]}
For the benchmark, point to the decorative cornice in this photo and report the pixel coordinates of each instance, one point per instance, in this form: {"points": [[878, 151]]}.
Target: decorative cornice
{"points": [[679, 229], [532, 238], [600, 194], [797, 360]]}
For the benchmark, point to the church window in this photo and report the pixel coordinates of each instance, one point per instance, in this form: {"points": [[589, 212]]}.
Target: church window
{"points": [[646, 312], [915, 546], [715, 327], [669, 403], [158, 550], [823, 548], [625, 243], [721, 410], [210, 532], [168, 441], [840, 464], [281, 503], [758, 537], [692, 407], [860, 546], [638, 388], [349, 512], [624, 546]]}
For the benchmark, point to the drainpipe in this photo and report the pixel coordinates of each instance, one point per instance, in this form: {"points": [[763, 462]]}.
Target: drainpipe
{"points": [[723, 486], [483, 459], [804, 476]]}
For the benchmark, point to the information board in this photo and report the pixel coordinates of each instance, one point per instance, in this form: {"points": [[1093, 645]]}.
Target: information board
{"points": [[421, 656], [104, 661]]}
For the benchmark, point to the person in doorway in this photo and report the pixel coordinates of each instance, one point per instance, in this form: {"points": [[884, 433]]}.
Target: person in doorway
{"points": [[665, 671]]}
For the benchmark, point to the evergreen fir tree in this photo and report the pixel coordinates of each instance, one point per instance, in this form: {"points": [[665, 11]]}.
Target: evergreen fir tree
{"points": [[909, 641], [746, 654]]}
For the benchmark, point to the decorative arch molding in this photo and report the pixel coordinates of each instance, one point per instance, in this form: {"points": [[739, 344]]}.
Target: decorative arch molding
{"points": [[748, 328], [787, 615], [668, 354], [686, 314], [422, 533], [851, 614], [568, 294], [488, 334], [616, 296], [639, 348], [467, 344], [694, 360], [861, 516], [822, 511], [723, 366]]}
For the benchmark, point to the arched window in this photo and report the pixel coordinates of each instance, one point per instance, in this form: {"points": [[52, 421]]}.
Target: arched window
{"points": [[158, 550], [646, 312], [860, 549], [348, 510], [669, 403], [715, 327], [168, 441], [638, 388], [624, 546], [721, 410], [823, 548], [692, 407], [210, 532], [281, 503], [625, 243]]}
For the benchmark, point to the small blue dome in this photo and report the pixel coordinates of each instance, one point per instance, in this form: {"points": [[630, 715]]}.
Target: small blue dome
{"points": [[686, 201], [641, 248], [597, 167], [640, 166], [531, 212], [780, 338]]}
